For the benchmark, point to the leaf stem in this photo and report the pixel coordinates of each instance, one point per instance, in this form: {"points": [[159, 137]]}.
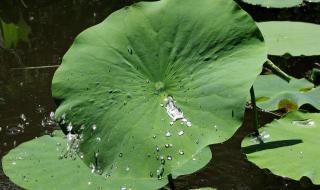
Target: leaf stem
{"points": [[254, 112], [277, 71], [171, 184]]}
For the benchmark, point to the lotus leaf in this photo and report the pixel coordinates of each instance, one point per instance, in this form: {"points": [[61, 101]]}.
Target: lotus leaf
{"points": [[294, 38], [288, 146], [273, 93]]}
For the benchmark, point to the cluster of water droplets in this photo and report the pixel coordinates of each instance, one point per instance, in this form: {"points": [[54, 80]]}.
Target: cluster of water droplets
{"points": [[261, 138], [304, 123], [48, 121], [17, 129], [73, 141], [174, 112]]}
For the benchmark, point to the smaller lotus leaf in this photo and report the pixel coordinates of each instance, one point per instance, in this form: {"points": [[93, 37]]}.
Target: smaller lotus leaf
{"points": [[288, 146], [273, 93], [41, 165], [294, 38]]}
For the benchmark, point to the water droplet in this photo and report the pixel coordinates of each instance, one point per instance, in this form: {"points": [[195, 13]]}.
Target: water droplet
{"points": [[168, 134], [94, 127], [151, 174], [23, 117], [154, 136], [69, 127], [120, 154], [181, 152], [171, 123], [304, 122], [161, 105], [51, 115], [189, 124], [262, 137], [130, 51], [157, 149], [16, 130], [169, 157], [98, 139], [180, 133], [14, 163], [127, 168]]}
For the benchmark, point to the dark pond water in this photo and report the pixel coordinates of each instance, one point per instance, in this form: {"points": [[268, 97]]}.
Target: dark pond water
{"points": [[25, 97]]}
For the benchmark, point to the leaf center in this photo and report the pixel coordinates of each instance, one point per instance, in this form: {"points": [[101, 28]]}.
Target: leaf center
{"points": [[159, 86]]}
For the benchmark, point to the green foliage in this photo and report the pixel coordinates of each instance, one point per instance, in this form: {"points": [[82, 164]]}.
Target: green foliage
{"points": [[274, 93], [290, 146], [118, 73], [294, 38], [13, 33]]}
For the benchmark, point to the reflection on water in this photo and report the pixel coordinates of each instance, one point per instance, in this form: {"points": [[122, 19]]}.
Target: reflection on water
{"points": [[26, 71]]}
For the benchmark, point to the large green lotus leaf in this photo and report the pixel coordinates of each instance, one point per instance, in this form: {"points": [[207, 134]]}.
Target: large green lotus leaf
{"points": [[38, 165], [275, 3], [113, 81], [294, 38], [274, 93], [290, 146]]}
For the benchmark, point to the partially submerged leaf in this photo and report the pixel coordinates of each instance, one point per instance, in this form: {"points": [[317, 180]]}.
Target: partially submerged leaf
{"points": [[278, 3], [275, 3], [290, 146], [273, 93], [294, 38], [155, 83]]}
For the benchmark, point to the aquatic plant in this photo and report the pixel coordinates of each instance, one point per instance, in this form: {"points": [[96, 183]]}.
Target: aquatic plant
{"points": [[142, 95]]}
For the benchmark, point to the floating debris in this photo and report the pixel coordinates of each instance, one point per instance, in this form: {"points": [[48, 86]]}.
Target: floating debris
{"points": [[15, 130]]}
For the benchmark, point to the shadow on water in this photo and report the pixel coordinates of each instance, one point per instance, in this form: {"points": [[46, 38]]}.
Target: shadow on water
{"points": [[25, 97]]}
